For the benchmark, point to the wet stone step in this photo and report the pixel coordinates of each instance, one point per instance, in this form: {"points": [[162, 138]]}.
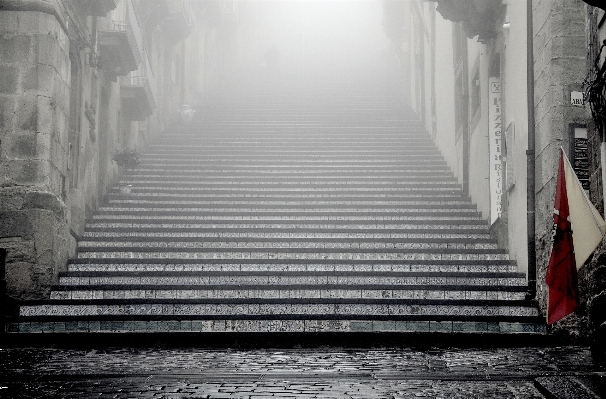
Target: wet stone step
{"points": [[290, 253], [426, 197], [233, 280], [95, 236], [276, 243], [221, 211], [200, 189], [177, 173], [464, 309], [250, 266], [273, 325], [300, 292], [273, 180], [411, 206], [188, 224], [231, 274], [301, 176], [279, 213], [224, 215]]}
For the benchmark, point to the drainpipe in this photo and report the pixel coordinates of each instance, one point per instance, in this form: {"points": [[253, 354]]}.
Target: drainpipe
{"points": [[603, 161], [3, 291], [530, 161], [465, 114]]}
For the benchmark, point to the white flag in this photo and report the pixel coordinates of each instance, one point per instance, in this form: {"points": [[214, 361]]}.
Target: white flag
{"points": [[588, 227]]}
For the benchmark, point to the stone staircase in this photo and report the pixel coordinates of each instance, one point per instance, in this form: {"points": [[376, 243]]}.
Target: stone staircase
{"points": [[324, 211]]}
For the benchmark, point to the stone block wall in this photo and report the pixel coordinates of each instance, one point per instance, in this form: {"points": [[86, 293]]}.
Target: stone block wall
{"points": [[560, 58], [34, 109]]}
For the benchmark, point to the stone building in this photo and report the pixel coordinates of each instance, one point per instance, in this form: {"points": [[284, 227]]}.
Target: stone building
{"points": [[83, 81], [512, 76]]}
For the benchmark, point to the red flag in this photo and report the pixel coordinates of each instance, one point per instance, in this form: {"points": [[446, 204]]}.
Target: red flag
{"points": [[561, 275]]}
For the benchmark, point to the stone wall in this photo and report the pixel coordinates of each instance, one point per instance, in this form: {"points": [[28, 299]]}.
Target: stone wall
{"points": [[560, 56], [34, 108]]}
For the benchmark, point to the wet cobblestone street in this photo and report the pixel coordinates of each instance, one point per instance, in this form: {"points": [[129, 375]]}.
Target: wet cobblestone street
{"points": [[291, 373]]}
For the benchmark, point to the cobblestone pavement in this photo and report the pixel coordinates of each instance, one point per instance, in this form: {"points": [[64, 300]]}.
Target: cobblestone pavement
{"points": [[292, 373]]}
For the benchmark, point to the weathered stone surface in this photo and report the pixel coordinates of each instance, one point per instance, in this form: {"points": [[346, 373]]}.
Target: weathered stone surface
{"points": [[18, 249], [7, 113], [38, 244], [9, 22], [28, 171], [47, 51], [11, 198], [9, 76], [24, 145], [16, 224], [20, 279], [14, 49], [47, 201], [40, 79], [562, 387], [27, 113]]}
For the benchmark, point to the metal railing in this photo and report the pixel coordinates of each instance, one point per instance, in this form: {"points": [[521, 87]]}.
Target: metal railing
{"points": [[130, 27], [178, 7], [143, 77]]}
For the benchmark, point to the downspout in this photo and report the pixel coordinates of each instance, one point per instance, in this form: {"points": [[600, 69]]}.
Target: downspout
{"points": [[530, 161], [465, 121]]}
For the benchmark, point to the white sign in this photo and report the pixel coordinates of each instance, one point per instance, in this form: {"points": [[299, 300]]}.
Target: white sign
{"points": [[576, 98], [494, 147]]}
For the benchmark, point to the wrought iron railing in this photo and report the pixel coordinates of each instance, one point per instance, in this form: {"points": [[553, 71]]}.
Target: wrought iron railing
{"points": [[131, 28], [143, 77], [595, 91]]}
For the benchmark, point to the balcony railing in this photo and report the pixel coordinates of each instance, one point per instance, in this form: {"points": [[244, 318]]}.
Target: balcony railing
{"points": [[177, 25], [120, 43], [138, 92], [99, 8]]}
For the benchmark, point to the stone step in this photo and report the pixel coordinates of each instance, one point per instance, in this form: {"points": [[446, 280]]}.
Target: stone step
{"points": [[442, 175], [337, 280], [146, 172], [262, 234], [168, 292], [208, 146], [279, 213], [228, 179], [291, 254], [293, 210], [332, 156], [187, 224], [169, 266], [425, 198], [273, 325], [257, 244], [178, 186], [300, 218], [140, 199], [287, 308]]}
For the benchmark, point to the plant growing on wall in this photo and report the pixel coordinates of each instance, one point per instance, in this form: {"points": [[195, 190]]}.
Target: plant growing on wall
{"points": [[127, 158]]}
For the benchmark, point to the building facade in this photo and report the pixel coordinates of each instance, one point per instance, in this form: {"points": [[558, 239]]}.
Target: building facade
{"points": [[83, 82], [501, 86]]}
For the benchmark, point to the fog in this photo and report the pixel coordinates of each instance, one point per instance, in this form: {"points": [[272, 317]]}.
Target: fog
{"points": [[313, 40]]}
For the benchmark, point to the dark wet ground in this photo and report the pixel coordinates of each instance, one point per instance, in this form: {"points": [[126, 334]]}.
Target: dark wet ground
{"points": [[299, 373]]}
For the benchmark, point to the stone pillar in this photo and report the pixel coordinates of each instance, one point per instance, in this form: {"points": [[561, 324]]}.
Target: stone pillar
{"points": [[34, 104], [560, 66]]}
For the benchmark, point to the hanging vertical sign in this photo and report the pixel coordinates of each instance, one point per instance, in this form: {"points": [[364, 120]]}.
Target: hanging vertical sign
{"points": [[495, 144]]}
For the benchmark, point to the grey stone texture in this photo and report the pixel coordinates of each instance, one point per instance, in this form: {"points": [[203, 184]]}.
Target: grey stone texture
{"points": [[519, 373], [34, 102], [560, 62]]}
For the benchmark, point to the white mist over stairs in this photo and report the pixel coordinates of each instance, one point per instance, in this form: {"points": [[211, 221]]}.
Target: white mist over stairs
{"points": [[306, 211]]}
